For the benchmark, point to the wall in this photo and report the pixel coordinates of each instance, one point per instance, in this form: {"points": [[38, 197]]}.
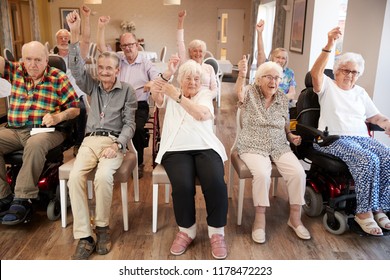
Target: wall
{"points": [[156, 23]]}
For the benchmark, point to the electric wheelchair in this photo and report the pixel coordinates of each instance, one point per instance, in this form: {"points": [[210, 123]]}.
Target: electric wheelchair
{"points": [[49, 194], [329, 184]]}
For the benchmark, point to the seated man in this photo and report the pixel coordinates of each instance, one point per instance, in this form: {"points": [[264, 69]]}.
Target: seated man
{"points": [[40, 95], [110, 126], [138, 71]]}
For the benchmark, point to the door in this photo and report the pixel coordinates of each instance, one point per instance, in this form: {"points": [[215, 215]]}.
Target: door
{"points": [[230, 34]]}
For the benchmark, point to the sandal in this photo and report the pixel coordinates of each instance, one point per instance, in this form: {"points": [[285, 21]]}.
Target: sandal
{"points": [[20, 211], [382, 220], [83, 250], [367, 225], [103, 240]]}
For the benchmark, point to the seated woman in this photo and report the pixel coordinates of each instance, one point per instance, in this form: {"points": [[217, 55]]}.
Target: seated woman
{"points": [[196, 51], [189, 149], [280, 56], [345, 109], [264, 137]]}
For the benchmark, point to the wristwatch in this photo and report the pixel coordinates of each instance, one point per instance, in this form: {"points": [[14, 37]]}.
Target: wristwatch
{"points": [[120, 147]]}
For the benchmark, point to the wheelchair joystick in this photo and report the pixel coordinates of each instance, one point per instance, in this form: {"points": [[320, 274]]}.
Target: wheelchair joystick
{"points": [[326, 132]]}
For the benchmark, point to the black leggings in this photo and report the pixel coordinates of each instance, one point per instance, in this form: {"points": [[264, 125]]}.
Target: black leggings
{"points": [[182, 168]]}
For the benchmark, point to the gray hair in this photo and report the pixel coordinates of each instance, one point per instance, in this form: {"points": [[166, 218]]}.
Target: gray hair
{"points": [[196, 44], [349, 57], [63, 30], [265, 67], [190, 67], [112, 55]]}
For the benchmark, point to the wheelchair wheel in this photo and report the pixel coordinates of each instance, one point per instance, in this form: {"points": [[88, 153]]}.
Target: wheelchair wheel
{"points": [[53, 210], [339, 226], [313, 202]]}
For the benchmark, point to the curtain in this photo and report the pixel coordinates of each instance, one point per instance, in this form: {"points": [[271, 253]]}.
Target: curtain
{"points": [[279, 24], [36, 32], [5, 28]]}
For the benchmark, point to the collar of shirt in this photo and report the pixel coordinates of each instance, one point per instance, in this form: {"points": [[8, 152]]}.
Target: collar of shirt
{"points": [[117, 84]]}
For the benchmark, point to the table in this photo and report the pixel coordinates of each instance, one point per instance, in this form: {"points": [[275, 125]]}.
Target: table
{"points": [[226, 66]]}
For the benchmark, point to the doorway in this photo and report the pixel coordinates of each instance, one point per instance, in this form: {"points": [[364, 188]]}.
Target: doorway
{"points": [[230, 34]]}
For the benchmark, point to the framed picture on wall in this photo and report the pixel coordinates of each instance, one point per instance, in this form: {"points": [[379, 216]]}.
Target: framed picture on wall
{"points": [[63, 13], [298, 26]]}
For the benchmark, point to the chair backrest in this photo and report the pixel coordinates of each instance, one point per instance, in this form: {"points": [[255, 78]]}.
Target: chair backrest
{"points": [[57, 62], [238, 128], [47, 46], [208, 54], [92, 50], [140, 48], [214, 63], [163, 53], [8, 55], [308, 108]]}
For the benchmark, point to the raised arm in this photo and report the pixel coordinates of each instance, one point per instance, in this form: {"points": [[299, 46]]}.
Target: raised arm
{"points": [[85, 31], [317, 71], [74, 21], [241, 79], [261, 57], [101, 41], [180, 36]]}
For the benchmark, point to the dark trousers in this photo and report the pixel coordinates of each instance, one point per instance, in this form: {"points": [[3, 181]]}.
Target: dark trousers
{"points": [[141, 117], [182, 168]]}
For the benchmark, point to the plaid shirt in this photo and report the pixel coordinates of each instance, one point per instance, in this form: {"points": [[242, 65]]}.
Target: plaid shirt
{"points": [[29, 103]]}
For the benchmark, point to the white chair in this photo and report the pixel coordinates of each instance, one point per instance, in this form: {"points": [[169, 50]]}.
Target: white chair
{"points": [[90, 60], [243, 172], [122, 175], [208, 54], [218, 76], [163, 53], [159, 176]]}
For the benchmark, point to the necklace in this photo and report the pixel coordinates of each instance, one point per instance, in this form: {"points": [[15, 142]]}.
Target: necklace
{"points": [[104, 105]]}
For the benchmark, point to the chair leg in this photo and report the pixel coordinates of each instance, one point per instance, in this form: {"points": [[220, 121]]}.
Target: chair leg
{"points": [[231, 181], [155, 208], [125, 204], [241, 188], [90, 189], [63, 199], [275, 186], [167, 193], [136, 184]]}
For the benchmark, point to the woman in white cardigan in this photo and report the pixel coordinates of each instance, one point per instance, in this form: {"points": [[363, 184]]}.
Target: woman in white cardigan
{"points": [[189, 149]]}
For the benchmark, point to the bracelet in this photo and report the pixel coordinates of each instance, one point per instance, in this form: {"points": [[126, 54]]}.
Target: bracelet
{"points": [[178, 100], [327, 51], [162, 77]]}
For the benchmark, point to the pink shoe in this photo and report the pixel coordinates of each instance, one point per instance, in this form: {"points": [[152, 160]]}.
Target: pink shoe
{"points": [[218, 246], [180, 244]]}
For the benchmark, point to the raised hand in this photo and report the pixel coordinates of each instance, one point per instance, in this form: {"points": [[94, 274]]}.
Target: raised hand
{"points": [[103, 20], [86, 11], [243, 66], [260, 26], [182, 14], [73, 20], [334, 35]]}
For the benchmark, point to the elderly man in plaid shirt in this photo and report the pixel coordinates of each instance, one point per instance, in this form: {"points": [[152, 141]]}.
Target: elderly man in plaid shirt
{"points": [[40, 96]]}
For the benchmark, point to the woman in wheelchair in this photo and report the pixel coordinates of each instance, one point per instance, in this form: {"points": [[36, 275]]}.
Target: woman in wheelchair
{"points": [[264, 137], [346, 108]]}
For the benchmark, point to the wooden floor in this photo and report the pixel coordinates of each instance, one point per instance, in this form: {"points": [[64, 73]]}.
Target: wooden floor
{"points": [[46, 240]]}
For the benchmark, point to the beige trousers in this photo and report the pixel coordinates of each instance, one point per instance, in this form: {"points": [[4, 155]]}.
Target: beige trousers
{"points": [[289, 167], [87, 159]]}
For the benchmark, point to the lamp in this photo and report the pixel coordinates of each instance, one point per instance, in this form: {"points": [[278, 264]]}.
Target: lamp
{"points": [[171, 2], [93, 1]]}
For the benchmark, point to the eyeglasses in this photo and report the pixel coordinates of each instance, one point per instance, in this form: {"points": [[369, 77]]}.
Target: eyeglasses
{"points": [[346, 72], [129, 45], [270, 78]]}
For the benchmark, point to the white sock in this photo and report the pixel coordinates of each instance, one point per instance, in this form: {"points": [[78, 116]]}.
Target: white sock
{"points": [[216, 230], [191, 231]]}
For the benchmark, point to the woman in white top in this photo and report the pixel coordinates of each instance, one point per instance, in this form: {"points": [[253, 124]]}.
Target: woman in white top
{"points": [[189, 149], [196, 51], [345, 110]]}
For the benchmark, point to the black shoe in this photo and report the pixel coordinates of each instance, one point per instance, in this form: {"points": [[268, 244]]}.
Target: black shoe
{"points": [[20, 211], [5, 202]]}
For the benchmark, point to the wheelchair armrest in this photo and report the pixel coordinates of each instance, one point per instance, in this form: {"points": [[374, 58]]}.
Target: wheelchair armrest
{"points": [[317, 136], [374, 127], [3, 119]]}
